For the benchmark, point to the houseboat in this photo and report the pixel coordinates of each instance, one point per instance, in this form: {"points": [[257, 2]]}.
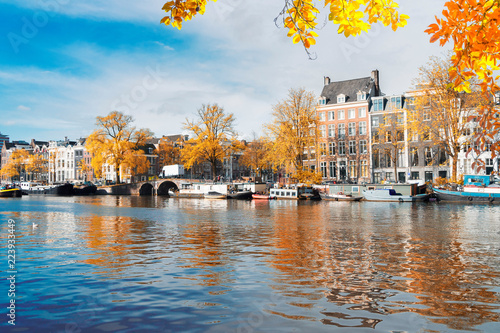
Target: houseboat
{"points": [[296, 193], [477, 188], [392, 195]]}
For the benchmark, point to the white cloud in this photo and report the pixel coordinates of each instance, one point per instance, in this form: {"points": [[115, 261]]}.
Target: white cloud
{"points": [[23, 108]]}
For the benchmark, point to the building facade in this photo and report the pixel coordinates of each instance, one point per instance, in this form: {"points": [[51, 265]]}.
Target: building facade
{"points": [[343, 129]]}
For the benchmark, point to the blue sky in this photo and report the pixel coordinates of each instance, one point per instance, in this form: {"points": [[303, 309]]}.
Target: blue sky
{"points": [[64, 62]]}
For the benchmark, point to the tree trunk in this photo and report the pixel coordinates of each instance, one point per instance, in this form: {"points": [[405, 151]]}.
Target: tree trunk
{"points": [[454, 169], [117, 171]]}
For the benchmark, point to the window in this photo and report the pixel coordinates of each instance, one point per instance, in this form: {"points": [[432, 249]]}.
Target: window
{"points": [[378, 104], [331, 115], [396, 102], [361, 112], [361, 95], [331, 148], [400, 136], [352, 129], [341, 131], [322, 101], [376, 159], [414, 158], [331, 130], [322, 147], [401, 158], [375, 121], [341, 114], [364, 168], [426, 114], [428, 156], [375, 137], [321, 116], [322, 168], [322, 131], [428, 176], [362, 128], [362, 147], [341, 98], [353, 171], [415, 175], [400, 118], [341, 147], [333, 169], [351, 113], [352, 147]]}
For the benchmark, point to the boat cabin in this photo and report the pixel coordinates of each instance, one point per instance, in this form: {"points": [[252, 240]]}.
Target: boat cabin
{"points": [[478, 180], [300, 192]]}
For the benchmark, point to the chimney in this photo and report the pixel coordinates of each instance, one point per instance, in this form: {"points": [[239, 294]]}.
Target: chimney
{"points": [[375, 78], [327, 80]]}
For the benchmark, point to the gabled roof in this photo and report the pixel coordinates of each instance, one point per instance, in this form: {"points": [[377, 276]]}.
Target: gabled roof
{"points": [[349, 88]]}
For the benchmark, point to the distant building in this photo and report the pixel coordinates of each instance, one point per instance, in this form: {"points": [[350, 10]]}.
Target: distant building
{"points": [[64, 161], [3, 138]]}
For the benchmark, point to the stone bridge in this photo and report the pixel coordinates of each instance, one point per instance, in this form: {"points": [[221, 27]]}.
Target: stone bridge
{"points": [[150, 187]]}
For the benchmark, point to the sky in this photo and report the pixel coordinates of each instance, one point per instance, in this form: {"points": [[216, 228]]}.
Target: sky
{"points": [[65, 62]]}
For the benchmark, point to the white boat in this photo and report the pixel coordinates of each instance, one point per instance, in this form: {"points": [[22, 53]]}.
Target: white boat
{"points": [[339, 197], [392, 195], [215, 195], [296, 193]]}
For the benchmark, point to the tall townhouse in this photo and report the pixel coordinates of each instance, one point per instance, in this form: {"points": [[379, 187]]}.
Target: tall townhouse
{"points": [[343, 128], [398, 152]]}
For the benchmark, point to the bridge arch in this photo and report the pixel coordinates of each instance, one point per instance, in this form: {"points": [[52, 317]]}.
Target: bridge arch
{"points": [[146, 189], [165, 187]]}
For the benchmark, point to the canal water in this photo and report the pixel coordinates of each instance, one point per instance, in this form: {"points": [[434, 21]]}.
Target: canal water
{"points": [[152, 264]]}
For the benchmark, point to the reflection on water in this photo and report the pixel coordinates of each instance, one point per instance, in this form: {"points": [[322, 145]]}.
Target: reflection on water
{"points": [[129, 263]]}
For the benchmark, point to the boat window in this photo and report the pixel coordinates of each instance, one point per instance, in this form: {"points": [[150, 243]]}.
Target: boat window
{"points": [[355, 189]]}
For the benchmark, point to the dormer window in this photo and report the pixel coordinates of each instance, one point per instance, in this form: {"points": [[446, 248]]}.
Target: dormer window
{"points": [[341, 98], [322, 100], [361, 95], [378, 104]]}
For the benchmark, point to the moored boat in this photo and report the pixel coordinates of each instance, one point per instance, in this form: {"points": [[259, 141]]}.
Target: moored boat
{"points": [[295, 193], [339, 197], [214, 195], [10, 191], [240, 195], [392, 195], [261, 196], [477, 188], [85, 189], [467, 196]]}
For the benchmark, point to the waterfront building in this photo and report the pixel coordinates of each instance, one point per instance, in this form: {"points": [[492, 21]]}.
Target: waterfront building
{"points": [[7, 149], [398, 152], [343, 129], [65, 158], [40, 171]]}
